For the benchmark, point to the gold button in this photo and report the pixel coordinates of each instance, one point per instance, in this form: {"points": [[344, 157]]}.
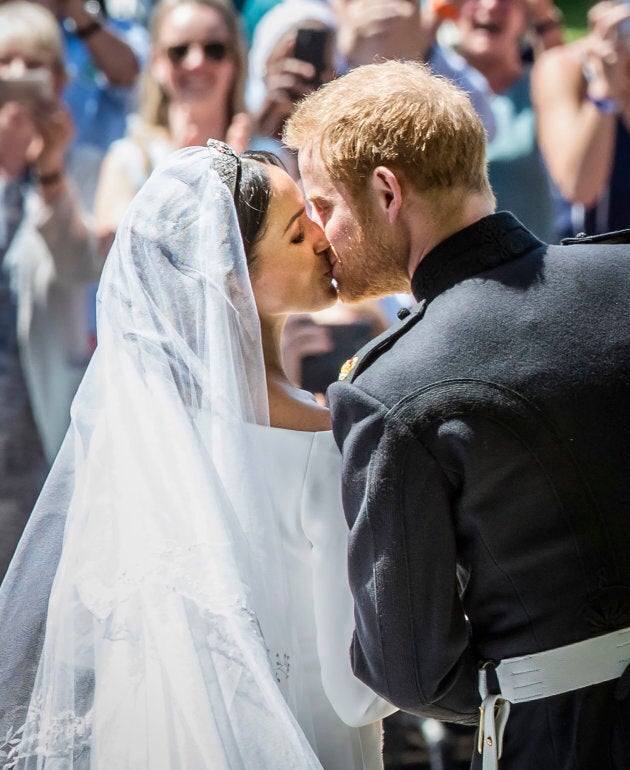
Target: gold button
{"points": [[489, 741]]}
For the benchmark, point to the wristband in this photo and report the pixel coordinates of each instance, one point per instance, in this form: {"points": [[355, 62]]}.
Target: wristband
{"points": [[606, 106], [90, 29], [49, 179]]}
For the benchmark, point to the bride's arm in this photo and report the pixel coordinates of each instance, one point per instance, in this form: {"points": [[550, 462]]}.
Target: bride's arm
{"points": [[325, 526]]}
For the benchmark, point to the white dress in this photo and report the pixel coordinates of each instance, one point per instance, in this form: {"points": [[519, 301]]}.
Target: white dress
{"points": [[166, 597], [304, 473]]}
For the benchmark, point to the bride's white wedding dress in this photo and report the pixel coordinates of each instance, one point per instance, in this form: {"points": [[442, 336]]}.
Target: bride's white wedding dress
{"points": [[196, 614], [303, 473]]}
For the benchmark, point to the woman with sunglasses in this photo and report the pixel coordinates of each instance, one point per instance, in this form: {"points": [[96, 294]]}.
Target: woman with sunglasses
{"points": [[193, 611], [193, 88]]}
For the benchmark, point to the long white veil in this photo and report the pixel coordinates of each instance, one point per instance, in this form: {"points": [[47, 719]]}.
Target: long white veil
{"points": [[167, 641]]}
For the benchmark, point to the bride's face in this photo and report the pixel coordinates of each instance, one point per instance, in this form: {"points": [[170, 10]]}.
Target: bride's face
{"points": [[291, 272]]}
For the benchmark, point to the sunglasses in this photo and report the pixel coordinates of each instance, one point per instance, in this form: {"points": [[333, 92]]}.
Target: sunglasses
{"points": [[212, 50]]}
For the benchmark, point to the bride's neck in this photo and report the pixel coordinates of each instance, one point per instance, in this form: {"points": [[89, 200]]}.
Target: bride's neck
{"points": [[271, 334], [289, 407]]}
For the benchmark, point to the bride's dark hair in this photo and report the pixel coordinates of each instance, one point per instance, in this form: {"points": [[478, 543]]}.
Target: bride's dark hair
{"points": [[253, 196]]}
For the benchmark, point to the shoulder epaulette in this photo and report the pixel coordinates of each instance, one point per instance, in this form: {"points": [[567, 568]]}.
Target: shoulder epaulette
{"points": [[615, 236], [362, 359]]}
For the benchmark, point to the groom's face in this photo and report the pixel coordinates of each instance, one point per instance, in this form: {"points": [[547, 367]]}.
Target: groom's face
{"points": [[364, 251]]}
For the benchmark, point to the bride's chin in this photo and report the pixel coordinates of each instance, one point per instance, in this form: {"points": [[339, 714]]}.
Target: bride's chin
{"points": [[330, 302]]}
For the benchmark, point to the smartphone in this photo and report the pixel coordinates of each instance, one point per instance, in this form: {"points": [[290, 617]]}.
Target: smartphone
{"points": [[312, 46], [318, 372], [32, 87]]}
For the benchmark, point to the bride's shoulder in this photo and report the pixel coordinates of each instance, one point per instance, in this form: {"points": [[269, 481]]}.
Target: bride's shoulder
{"points": [[296, 409]]}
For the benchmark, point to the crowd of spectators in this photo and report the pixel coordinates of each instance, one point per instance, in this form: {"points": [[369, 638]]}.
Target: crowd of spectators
{"points": [[94, 95]]}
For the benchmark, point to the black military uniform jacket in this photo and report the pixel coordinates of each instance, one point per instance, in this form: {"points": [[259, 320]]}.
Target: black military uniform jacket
{"points": [[486, 472]]}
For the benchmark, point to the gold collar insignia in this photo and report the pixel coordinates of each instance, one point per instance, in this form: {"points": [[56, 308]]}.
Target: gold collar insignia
{"points": [[348, 367]]}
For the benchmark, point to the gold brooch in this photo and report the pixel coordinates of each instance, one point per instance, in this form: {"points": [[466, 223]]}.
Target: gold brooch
{"points": [[347, 367]]}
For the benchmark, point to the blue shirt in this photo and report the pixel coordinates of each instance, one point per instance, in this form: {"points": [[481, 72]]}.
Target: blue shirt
{"points": [[516, 169], [98, 108]]}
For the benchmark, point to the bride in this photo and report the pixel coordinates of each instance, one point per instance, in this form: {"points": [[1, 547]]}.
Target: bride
{"points": [[195, 611]]}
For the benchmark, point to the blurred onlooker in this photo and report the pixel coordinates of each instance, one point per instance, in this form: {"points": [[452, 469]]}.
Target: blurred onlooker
{"points": [[491, 33], [103, 58], [388, 29], [582, 97], [368, 30], [192, 90], [251, 12], [347, 33], [315, 346], [47, 256], [546, 26], [277, 78]]}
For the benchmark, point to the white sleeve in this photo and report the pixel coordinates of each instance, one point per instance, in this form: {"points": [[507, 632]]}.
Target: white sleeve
{"points": [[325, 527]]}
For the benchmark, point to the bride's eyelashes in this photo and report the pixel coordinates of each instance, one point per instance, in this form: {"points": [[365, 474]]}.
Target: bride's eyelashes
{"points": [[299, 238]]}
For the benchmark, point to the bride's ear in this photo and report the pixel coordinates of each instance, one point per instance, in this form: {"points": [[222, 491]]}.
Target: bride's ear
{"points": [[387, 192]]}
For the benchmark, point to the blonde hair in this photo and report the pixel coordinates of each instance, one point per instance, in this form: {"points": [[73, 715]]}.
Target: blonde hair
{"points": [[395, 114], [35, 29], [154, 100]]}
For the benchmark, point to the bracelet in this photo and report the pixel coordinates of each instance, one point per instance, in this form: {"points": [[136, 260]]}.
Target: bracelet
{"points": [[90, 29], [49, 179], [606, 106]]}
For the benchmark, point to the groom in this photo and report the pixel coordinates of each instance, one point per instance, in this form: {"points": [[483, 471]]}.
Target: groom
{"points": [[485, 438]]}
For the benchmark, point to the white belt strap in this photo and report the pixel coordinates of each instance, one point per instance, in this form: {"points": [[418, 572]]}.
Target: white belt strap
{"points": [[531, 677], [494, 714]]}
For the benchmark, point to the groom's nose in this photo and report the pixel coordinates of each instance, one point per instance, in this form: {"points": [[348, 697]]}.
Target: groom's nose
{"points": [[320, 242]]}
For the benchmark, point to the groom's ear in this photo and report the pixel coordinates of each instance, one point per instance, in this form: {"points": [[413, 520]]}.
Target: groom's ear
{"points": [[387, 192]]}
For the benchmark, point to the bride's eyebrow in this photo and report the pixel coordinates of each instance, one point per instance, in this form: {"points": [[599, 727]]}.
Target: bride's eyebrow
{"points": [[297, 215]]}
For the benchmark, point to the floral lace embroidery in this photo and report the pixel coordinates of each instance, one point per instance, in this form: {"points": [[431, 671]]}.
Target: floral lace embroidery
{"points": [[65, 734], [195, 571], [281, 666], [9, 748], [192, 572]]}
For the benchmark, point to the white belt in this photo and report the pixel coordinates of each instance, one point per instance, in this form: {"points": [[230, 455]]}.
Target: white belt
{"points": [[542, 675]]}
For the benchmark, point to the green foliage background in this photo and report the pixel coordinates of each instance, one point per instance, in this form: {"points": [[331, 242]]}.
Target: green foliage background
{"points": [[574, 16]]}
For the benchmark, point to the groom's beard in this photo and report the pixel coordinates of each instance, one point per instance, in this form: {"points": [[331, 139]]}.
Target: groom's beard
{"points": [[371, 265]]}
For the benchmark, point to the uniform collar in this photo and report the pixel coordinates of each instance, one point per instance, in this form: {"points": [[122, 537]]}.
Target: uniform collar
{"points": [[487, 243]]}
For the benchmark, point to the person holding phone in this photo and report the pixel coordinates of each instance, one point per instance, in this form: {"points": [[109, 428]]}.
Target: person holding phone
{"points": [[292, 53], [48, 255]]}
